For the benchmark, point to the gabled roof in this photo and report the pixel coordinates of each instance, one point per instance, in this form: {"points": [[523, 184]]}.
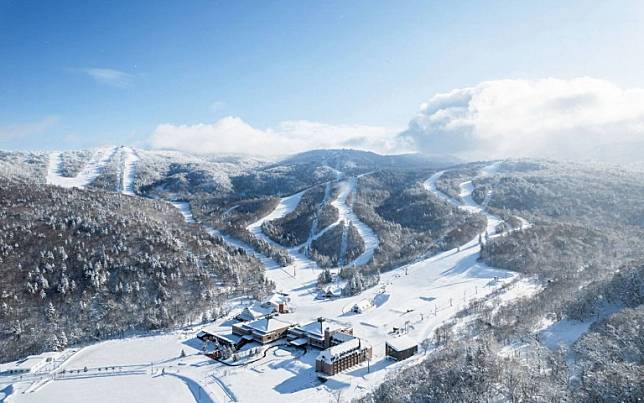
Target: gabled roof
{"points": [[277, 299], [255, 311], [313, 328], [228, 337], [267, 325]]}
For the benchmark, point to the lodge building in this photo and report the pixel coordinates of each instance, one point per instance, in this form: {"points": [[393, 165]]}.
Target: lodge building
{"points": [[312, 333], [401, 348], [340, 357], [263, 330]]}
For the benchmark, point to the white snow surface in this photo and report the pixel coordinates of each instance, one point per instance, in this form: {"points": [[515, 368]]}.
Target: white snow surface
{"points": [[130, 158], [417, 297], [346, 214], [89, 172], [563, 333]]}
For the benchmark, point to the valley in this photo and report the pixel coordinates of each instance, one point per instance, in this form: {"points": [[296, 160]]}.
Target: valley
{"points": [[440, 289]]}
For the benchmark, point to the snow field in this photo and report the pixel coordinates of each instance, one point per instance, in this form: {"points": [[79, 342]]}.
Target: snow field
{"points": [[417, 297], [91, 170], [128, 173]]}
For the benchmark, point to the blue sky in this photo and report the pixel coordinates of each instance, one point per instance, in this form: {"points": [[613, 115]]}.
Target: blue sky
{"points": [[84, 73]]}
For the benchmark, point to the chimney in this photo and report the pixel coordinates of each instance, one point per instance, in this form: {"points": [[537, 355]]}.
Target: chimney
{"points": [[327, 337], [320, 320]]}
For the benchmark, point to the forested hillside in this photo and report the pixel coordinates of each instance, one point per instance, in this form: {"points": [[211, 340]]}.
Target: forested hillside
{"points": [[83, 265], [585, 252]]}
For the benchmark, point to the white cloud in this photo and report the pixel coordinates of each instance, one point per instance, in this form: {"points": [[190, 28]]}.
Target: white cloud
{"points": [[111, 77], [231, 135], [582, 118], [22, 130]]}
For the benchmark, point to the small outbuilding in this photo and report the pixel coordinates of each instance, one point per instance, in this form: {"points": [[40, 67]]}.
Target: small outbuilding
{"points": [[255, 312], [362, 306], [400, 348], [278, 302]]}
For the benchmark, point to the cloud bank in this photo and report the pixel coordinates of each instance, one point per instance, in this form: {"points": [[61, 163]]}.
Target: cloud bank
{"points": [[232, 135], [581, 119]]}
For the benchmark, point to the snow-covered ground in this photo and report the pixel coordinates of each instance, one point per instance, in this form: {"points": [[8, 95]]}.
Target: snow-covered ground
{"points": [[184, 209], [129, 158], [89, 172], [304, 268], [566, 332], [417, 297], [346, 214]]}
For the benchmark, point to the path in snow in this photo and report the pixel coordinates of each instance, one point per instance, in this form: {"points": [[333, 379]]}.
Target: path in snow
{"points": [[302, 273], [184, 209], [347, 215], [300, 277], [419, 297], [129, 157], [89, 172]]}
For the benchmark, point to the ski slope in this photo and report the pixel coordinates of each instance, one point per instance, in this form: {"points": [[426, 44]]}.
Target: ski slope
{"points": [[128, 173], [186, 212], [347, 215], [89, 172], [417, 297]]}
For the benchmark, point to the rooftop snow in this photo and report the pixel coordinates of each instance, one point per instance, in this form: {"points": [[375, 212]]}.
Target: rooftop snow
{"points": [[28, 364], [256, 311], [267, 325], [299, 342], [334, 352], [342, 337], [313, 328], [401, 343]]}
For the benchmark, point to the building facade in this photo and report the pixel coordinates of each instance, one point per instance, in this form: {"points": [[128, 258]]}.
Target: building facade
{"points": [[343, 356], [401, 348]]}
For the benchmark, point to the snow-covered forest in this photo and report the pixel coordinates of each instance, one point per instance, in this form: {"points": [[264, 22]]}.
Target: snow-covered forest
{"points": [[104, 252]]}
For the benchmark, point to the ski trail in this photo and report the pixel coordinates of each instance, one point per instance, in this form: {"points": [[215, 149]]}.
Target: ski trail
{"points": [[343, 246], [89, 172], [468, 203], [128, 173], [346, 214], [285, 207], [314, 233], [184, 209]]}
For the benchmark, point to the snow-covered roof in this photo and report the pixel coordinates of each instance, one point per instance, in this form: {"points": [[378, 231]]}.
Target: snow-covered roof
{"points": [[342, 337], [402, 343], [362, 305], [228, 337], [313, 328], [267, 325], [28, 364], [299, 342], [210, 329], [255, 311], [335, 352], [277, 299]]}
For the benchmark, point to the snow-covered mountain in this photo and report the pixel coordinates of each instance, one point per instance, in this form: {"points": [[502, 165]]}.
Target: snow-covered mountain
{"points": [[468, 260]]}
